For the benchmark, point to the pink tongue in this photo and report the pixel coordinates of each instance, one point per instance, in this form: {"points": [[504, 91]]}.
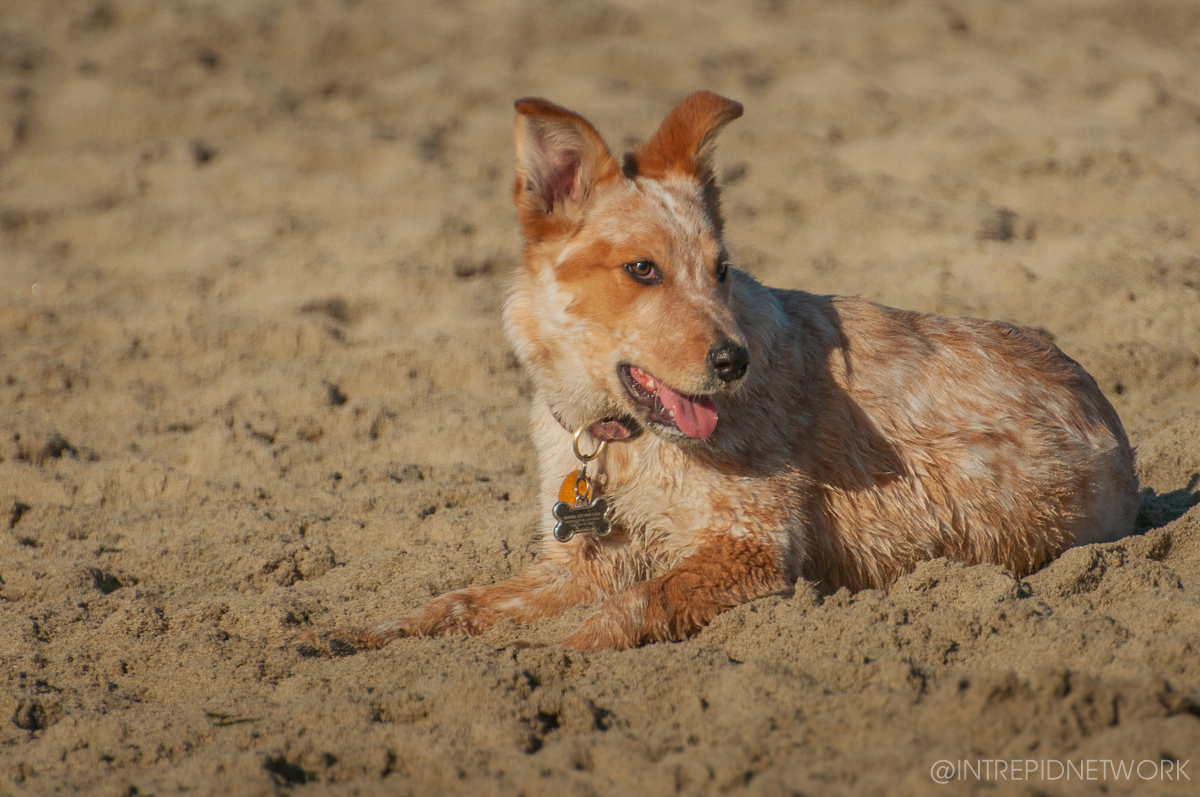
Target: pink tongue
{"points": [[695, 416]]}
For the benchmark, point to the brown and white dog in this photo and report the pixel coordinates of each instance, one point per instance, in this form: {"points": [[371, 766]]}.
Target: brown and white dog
{"points": [[758, 436]]}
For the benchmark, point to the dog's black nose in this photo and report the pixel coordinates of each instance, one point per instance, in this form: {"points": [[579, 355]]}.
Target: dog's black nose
{"points": [[728, 360]]}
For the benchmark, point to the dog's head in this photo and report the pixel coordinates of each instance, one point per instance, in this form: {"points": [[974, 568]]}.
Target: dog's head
{"points": [[621, 307]]}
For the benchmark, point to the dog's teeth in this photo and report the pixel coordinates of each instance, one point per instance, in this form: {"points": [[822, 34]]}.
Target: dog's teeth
{"points": [[644, 379]]}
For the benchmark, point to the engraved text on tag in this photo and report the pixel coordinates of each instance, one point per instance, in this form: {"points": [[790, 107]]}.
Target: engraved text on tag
{"points": [[591, 518]]}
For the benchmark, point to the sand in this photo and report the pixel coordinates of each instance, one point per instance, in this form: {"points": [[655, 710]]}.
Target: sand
{"points": [[253, 381]]}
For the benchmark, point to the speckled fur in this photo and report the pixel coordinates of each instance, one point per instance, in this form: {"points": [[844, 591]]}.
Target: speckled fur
{"points": [[861, 441]]}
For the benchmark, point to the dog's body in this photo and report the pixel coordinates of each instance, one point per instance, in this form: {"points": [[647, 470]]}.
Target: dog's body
{"points": [[758, 435]]}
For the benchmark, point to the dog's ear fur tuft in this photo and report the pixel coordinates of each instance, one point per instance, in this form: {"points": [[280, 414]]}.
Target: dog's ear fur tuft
{"points": [[684, 141], [560, 159]]}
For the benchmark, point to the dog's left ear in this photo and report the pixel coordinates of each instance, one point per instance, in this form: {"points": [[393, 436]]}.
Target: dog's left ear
{"points": [[684, 141], [560, 159]]}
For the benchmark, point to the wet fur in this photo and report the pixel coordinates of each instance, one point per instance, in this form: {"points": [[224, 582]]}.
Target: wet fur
{"points": [[861, 441]]}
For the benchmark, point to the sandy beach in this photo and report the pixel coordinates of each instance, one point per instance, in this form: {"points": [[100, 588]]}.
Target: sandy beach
{"points": [[253, 382]]}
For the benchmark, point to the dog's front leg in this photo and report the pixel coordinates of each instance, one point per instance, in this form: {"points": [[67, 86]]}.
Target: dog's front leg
{"points": [[544, 589], [727, 572]]}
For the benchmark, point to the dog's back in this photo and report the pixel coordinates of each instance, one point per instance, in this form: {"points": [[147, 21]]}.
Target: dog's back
{"points": [[920, 436]]}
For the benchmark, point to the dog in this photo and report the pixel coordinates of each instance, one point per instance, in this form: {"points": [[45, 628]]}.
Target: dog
{"points": [[743, 437]]}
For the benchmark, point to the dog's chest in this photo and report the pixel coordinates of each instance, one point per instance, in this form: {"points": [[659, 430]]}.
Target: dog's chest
{"points": [[670, 505], [666, 504]]}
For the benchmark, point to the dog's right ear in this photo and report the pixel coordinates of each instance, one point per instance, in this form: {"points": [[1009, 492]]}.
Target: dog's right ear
{"points": [[560, 160]]}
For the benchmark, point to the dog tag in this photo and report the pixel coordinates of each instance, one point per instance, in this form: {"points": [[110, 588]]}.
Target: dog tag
{"points": [[580, 509], [582, 518], [566, 493]]}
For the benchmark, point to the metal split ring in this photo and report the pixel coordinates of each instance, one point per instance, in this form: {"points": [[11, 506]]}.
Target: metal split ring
{"points": [[579, 455]]}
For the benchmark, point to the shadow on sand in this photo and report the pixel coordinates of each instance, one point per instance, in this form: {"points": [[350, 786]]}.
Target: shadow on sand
{"points": [[1159, 510]]}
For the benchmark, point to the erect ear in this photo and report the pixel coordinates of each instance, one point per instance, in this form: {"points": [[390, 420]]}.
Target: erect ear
{"points": [[560, 159], [684, 141]]}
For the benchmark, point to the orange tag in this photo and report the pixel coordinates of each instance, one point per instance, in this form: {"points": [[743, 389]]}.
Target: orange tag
{"points": [[566, 493]]}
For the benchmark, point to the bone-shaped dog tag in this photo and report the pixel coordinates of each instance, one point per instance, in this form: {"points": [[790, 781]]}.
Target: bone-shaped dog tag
{"points": [[591, 517]]}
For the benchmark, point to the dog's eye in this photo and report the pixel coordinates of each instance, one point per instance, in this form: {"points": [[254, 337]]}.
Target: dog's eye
{"points": [[644, 271], [722, 270]]}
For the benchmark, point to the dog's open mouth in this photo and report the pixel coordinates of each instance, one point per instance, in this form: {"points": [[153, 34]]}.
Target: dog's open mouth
{"points": [[695, 416]]}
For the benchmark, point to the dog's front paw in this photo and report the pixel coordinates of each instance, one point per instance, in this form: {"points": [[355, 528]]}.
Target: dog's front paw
{"points": [[586, 641], [339, 642], [601, 632], [621, 622]]}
